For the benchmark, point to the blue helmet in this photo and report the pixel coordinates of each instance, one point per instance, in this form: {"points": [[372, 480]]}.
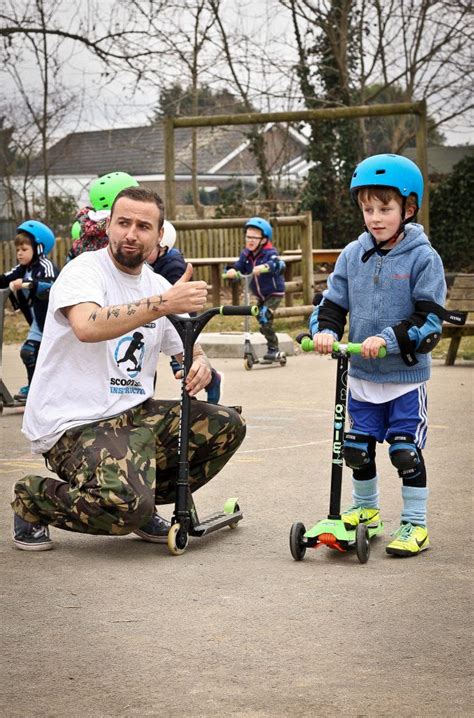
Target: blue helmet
{"points": [[392, 171], [41, 233], [261, 224]]}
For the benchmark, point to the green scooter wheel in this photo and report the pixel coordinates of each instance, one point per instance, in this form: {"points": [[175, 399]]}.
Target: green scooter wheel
{"points": [[362, 543], [297, 547]]}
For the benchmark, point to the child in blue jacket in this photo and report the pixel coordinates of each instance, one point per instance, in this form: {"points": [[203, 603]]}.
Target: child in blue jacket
{"points": [[391, 282], [34, 240], [268, 286]]}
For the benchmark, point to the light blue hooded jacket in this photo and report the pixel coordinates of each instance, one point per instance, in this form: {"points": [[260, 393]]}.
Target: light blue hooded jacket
{"points": [[381, 293]]}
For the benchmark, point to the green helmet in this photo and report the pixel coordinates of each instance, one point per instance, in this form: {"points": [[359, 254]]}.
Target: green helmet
{"points": [[76, 230], [104, 190]]}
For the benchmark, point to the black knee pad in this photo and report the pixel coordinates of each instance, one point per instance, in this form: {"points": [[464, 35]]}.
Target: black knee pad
{"points": [[29, 352], [403, 453], [359, 450]]}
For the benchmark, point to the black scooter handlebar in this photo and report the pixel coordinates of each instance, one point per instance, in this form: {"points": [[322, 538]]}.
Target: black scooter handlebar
{"points": [[242, 311]]}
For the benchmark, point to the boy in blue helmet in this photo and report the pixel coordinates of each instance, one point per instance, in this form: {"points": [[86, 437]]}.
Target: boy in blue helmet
{"points": [[268, 285], [170, 263], [34, 240], [391, 282]]}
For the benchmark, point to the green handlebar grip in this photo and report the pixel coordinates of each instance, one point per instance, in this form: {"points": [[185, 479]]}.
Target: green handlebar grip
{"points": [[307, 344], [356, 348]]}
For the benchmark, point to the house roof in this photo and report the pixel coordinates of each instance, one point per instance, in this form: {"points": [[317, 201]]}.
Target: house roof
{"points": [[441, 160], [140, 151]]}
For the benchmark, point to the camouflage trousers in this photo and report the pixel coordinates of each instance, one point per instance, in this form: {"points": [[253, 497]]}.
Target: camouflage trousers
{"points": [[113, 472], [267, 329]]}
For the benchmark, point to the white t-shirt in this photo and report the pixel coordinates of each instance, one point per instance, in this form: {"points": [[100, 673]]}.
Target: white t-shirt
{"points": [[80, 382], [369, 391]]}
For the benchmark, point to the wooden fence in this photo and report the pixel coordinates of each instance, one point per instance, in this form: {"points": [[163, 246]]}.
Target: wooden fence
{"points": [[210, 238]]}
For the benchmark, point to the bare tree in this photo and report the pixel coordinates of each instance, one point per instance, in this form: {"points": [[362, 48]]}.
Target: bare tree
{"points": [[412, 49]]}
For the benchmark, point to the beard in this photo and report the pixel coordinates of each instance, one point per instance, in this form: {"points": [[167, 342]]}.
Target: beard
{"points": [[131, 261]]}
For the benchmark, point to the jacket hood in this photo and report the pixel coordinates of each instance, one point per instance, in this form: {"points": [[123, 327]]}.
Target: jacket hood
{"points": [[414, 237]]}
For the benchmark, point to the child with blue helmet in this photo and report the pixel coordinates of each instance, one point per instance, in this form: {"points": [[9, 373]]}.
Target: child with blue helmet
{"points": [[260, 259], [34, 240], [391, 282]]}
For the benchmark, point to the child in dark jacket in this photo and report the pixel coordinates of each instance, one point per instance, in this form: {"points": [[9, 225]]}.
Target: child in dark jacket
{"points": [[170, 263], [34, 240], [260, 259]]}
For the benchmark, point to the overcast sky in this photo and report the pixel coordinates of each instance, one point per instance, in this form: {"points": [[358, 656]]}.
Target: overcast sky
{"points": [[120, 104]]}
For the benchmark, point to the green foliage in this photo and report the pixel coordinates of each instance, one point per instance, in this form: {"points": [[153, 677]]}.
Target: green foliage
{"points": [[177, 101], [451, 217]]}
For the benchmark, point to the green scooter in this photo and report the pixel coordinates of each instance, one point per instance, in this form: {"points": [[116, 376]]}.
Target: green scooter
{"points": [[331, 532]]}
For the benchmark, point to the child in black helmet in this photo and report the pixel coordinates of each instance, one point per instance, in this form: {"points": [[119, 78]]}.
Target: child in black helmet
{"points": [[34, 240], [267, 285]]}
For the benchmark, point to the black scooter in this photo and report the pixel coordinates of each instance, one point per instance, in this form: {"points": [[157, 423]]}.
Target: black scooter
{"points": [[185, 521], [6, 399]]}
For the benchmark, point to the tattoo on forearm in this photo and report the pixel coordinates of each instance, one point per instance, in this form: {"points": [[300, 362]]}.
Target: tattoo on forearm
{"points": [[152, 304]]}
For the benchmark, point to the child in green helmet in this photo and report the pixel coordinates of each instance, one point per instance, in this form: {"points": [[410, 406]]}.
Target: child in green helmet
{"points": [[89, 228]]}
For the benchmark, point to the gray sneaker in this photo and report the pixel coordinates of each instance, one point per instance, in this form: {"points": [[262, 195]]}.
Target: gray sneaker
{"points": [[30, 537], [155, 530]]}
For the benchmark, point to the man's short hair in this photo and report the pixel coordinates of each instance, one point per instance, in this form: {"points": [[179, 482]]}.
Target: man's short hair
{"points": [[142, 194]]}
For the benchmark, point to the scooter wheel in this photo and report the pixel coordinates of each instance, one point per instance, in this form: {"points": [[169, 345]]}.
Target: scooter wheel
{"points": [[177, 540], [362, 543], [1, 406], [231, 506], [248, 363], [297, 547], [283, 361]]}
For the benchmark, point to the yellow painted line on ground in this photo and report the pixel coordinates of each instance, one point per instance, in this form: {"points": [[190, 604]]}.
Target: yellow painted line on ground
{"points": [[284, 448]]}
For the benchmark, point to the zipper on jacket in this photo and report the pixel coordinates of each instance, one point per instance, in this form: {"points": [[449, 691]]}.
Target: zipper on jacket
{"points": [[378, 267]]}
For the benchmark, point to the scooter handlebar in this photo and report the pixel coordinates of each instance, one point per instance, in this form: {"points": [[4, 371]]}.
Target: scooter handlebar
{"points": [[244, 310], [307, 345], [238, 275]]}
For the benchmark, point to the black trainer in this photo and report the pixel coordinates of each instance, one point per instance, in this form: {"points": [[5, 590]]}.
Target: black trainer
{"points": [[273, 354], [30, 537], [155, 530]]}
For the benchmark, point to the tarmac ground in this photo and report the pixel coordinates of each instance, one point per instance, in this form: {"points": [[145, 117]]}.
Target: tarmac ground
{"points": [[115, 627]]}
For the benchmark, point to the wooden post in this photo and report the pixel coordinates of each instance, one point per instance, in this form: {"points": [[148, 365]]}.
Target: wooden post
{"points": [[422, 162], [216, 284], [307, 271], [170, 185], [288, 278]]}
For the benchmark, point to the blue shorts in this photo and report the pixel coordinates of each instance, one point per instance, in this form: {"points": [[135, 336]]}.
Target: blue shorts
{"points": [[407, 414]]}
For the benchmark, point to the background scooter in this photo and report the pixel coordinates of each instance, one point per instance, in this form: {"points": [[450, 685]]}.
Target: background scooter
{"points": [[185, 521], [7, 400], [331, 532], [250, 355]]}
